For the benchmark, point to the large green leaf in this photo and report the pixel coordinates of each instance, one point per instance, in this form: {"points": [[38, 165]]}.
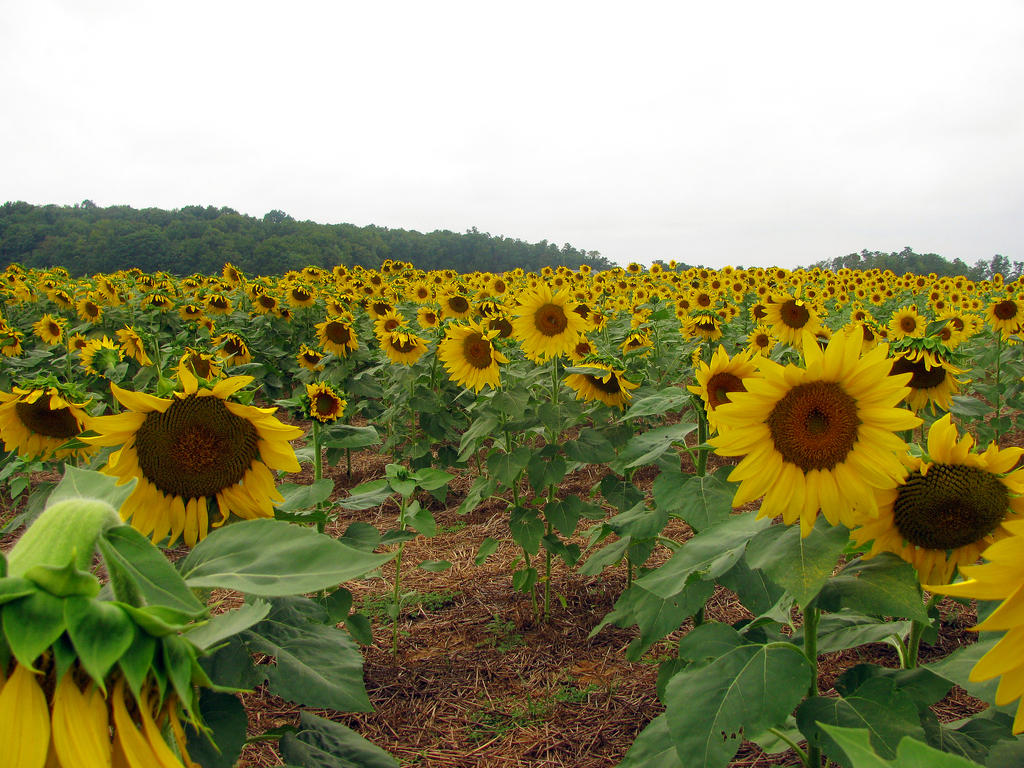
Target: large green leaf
{"points": [[87, 484], [747, 690], [856, 746], [653, 748], [702, 502], [505, 467], [133, 561], [224, 714], [342, 436], [527, 528], [590, 447], [885, 585], [224, 625], [706, 556], [101, 633], [297, 497], [273, 558], [849, 629], [957, 666], [317, 665], [670, 399], [800, 565], [646, 447], [755, 590], [322, 743], [367, 495]]}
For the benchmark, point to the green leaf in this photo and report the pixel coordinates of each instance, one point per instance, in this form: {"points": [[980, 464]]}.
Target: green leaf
{"points": [[367, 495], [224, 714], [362, 536], [646, 447], [524, 579], [527, 528], [430, 479], [885, 585], [799, 565], [32, 624], [969, 407], [179, 660], [400, 479], [562, 516], [748, 689], [482, 487], [590, 447], [755, 590], [317, 665], [87, 484], [100, 631], [856, 745], [849, 629], [272, 558], [608, 555], [706, 556], [345, 436], [487, 548], [359, 627], [131, 557], [653, 748], [639, 522], [701, 501], [298, 497], [64, 582], [620, 492], [505, 467], [543, 471], [322, 743], [224, 625], [15, 588], [670, 399], [957, 666], [136, 661], [421, 519], [434, 566], [481, 429]]}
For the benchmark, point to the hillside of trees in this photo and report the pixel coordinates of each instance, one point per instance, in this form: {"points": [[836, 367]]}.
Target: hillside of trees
{"points": [[925, 264], [87, 239]]}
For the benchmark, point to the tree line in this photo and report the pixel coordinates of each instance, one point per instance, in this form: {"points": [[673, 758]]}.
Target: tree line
{"points": [[88, 239], [900, 262]]}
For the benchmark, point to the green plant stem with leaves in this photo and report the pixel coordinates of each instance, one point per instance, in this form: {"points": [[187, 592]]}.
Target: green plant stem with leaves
{"points": [[318, 468], [812, 616], [998, 393]]}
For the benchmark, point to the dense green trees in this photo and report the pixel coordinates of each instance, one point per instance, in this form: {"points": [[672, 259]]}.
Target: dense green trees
{"points": [[925, 263], [87, 239]]}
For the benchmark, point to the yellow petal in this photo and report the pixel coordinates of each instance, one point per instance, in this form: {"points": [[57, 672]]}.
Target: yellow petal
{"points": [[81, 735], [24, 721]]}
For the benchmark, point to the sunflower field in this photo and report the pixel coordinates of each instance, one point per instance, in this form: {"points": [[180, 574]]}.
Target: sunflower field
{"points": [[229, 489]]}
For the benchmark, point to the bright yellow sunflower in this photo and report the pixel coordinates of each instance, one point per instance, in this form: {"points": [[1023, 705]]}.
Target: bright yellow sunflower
{"points": [[606, 384], [387, 322], [37, 422], [50, 329], [131, 344], [1005, 315], [233, 349], [933, 380], [310, 359], [323, 403], [194, 447], [337, 337], [89, 309], [545, 323], [403, 348], [10, 341], [949, 508], [1001, 578], [454, 306], [819, 437], [905, 322], [716, 382], [789, 316], [760, 341], [427, 317], [470, 357]]}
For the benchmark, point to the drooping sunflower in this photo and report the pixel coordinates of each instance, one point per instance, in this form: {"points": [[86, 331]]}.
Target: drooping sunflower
{"points": [[218, 304], [323, 403], [190, 449], [36, 422], [310, 359], [716, 382], [403, 347], [301, 296], [201, 365], [470, 357], [50, 329], [10, 341], [264, 303], [637, 342], [933, 379], [819, 437], [337, 337], [100, 356], [233, 349], [603, 382], [545, 324], [131, 345], [702, 324], [191, 312], [789, 316], [948, 509]]}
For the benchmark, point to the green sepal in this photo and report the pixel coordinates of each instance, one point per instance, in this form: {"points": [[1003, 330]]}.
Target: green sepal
{"points": [[158, 620], [15, 588], [136, 662], [101, 632], [32, 624], [64, 581], [64, 655], [142, 575], [179, 660]]}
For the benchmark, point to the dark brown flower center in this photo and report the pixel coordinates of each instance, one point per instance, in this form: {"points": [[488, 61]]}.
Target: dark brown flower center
{"points": [[325, 404], [458, 304], [611, 386], [922, 377], [550, 320], [267, 302], [951, 506], [195, 448], [39, 418], [476, 350], [908, 324], [721, 385], [814, 425], [794, 314], [502, 326], [337, 333], [1005, 310]]}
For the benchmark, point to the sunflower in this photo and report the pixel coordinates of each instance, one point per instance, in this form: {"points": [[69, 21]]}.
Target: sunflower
{"points": [[159, 301], [1001, 578], [716, 382], [50, 329], [194, 447], [454, 306], [545, 324], [100, 356], [323, 403], [906, 322], [131, 344], [233, 349], [601, 382], [310, 359], [337, 337], [638, 342], [37, 422], [10, 341], [402, 347], [218, 304], [760, 341], [469, 356], [789, 317], [427, 317], [819, 437], [702, 324], [387, 322], [933, 380], [581, 350], [948, 509], [200, 365], [264, 303], [191, 312], [301, 296], [1005, 315]]}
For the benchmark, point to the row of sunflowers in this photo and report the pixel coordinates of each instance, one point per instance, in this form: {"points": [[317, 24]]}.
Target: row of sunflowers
{"points": [[860, 395]]}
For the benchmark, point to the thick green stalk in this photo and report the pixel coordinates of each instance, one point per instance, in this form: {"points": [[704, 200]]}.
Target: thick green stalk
{"points": [[812, 616], [702, 437], [396, 594], [917, 629], [999, 355], [318, 468]]}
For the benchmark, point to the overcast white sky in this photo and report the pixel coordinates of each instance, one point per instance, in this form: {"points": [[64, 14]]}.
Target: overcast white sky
{"points": [[743, 132]]}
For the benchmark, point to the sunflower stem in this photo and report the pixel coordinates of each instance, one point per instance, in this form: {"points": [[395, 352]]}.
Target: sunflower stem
{"points": [[318, 471], [804, 760], [998, 406], [396, 594], [547, 560], [917, 628], [702, 437], [812, 616]]}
